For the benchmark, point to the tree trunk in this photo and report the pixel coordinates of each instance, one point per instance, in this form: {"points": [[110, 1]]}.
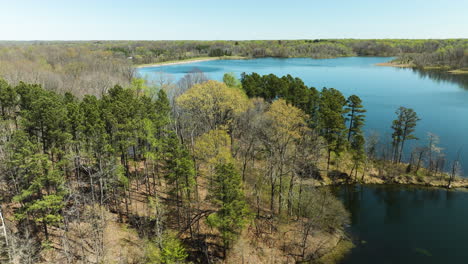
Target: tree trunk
{"points": [[350, 124]]}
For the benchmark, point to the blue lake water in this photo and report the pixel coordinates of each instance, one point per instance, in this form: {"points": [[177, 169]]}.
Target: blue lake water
{"points": [[440, 99], [406, 225]]}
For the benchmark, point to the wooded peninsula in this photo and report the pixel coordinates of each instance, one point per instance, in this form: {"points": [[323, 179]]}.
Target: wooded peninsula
{"points": [[99, 166]]}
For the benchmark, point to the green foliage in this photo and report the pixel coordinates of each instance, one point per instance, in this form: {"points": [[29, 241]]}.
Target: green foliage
{"points": [[40, 185], [231, 80], [430, 51], [180, 167], [139, 87], [62, 135], [226, 193], [403, 128], [355, 116], [8, 99], [172, 250], [169, 251], [293, 90], [44, 117], [213, 104], [152, 253], [331, 120], [356, 122]]}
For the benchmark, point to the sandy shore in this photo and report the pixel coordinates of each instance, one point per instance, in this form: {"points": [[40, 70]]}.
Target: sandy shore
{"points": [[194, 60], [392, 64], [176, 62], [459, 72]]}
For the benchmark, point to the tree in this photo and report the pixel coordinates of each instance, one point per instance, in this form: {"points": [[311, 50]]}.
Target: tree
{"points": [[319, 208], [403, 128], [213, 103], [433, 150], [180, 173], [172, 251], [331, 120], [8, 99], [225, 192], [40, 185], [358, 152], [285, 127], [231, 80], [355, 115], [213, 147], [45, 118]]}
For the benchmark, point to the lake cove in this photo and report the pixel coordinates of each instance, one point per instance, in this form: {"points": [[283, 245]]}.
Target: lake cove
{"points": [[439, 98], [404, 224]]}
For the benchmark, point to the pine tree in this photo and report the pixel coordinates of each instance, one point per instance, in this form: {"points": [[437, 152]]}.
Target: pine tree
{"points": [[172, 250], [355, 115], [8, 99], [226, 193], [358, 152], [180, 173], [41, 190], [331, 120], [45, 119], [403, 129]]}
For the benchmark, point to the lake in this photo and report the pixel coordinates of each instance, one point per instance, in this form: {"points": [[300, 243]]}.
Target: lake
{"points": [[404, 224], [440, 99]]}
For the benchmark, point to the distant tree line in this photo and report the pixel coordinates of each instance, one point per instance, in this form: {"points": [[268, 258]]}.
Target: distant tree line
{"points": [[85, 67]]}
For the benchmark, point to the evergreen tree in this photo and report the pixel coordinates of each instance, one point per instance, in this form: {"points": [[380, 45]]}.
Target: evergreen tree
{"points": [[41, 185], [331, 120], [45, 119], [355, 115], [180, 173], [172, 251], [358, 152], [8, 99], [403, 129], [226, 193]]}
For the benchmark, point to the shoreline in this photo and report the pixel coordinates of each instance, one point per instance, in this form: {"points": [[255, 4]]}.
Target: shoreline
{"points": [[428, 68], [186, 61], [393, 64], [458, 184]]}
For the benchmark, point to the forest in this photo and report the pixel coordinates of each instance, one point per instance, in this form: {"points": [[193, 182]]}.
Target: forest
{"points": [[93, 67], [197, 171]]}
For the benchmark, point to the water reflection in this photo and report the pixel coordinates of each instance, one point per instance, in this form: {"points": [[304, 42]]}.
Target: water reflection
{"points": [[406, 224], [443, 76]]}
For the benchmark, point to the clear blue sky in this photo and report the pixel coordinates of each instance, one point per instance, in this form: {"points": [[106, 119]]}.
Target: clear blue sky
{"points": [[235, 19]]}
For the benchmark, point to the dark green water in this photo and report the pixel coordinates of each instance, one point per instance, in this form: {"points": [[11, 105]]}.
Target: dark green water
{"points": [[401, 224]]}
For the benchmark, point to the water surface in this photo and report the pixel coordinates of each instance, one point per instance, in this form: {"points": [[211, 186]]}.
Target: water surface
{"points": [[440, 99], [398, 224]]}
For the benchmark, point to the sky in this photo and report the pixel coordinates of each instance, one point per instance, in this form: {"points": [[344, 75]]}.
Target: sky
{"points": [[231, 20]]}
